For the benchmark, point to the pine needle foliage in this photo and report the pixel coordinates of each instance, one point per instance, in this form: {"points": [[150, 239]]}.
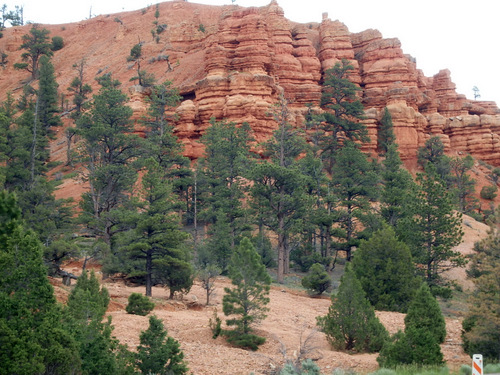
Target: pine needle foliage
{"points": [[351, 324], [246, 302], [159, 353]]}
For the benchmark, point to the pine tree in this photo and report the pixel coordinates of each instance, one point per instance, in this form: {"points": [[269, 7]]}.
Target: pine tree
{"points": [[109, 150], [343, 112], [28, 130], [278, 192], [245, 302], [317, 221], [317, 280], [433, 153], [80, 91], [386, 271], [385, 135], [351, 324], [416, 347], [425, 329], [354, 185], [154, 249], [36, 44], [33, 337], [481, 326], [159, 353], [226, 163], [86, 307], [398, 188], [424, 313], [462, 185], [47, 96], [433, 230]]}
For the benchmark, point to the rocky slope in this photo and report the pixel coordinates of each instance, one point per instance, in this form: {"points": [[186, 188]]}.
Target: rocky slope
{"points": [[231, 62]]}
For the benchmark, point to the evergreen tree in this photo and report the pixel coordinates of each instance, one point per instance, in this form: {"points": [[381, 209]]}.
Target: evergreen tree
{"points": [[27, 162], [47, 96], [386, 271], [413, 347], [354, 185], [145, 79], [80, 91], [36, 44], [425, 329], [343, 112], [13, 17], [154, 249], [278, 192], [33, 337], [86, 307], [351, 324], [317, 221], [433, 230], [481, 326], [385, 135], [433, 153], [398, 188], [164, 146], [109, 151], [424, 313], [245, 302], [159, 353], [226, 163], [462, 185]]}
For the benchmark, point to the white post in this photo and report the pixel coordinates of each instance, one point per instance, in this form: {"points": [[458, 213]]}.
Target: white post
{"points": [[477, 364]]}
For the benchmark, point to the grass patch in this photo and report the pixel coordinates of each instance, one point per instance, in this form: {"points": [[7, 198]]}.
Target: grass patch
{"points": [[413, 370]]}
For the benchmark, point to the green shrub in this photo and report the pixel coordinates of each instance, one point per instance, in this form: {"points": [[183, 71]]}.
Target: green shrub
{"points": [[317, 280], [416, 346], [492, 368], [139, 304], [215, 325], [489, 192], [244, 340], [304, 262], [465, 370], [307, 367], [57, 43], [384, 371]]}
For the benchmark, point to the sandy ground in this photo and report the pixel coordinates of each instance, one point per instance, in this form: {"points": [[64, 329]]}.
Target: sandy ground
{"points": [[289, 328]]}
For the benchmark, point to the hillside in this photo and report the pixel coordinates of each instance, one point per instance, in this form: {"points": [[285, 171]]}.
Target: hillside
{"points": [[289, 327], [231, 63], [291, 320]]}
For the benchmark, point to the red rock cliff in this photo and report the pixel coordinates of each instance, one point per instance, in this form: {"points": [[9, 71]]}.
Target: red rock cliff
{"points": [[231, 62]]}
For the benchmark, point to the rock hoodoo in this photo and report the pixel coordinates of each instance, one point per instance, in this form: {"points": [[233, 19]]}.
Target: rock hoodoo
{"points": [[231, 62]]}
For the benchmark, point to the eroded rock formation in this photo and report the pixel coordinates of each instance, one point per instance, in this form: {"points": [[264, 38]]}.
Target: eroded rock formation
{"points": [[231, 62]]}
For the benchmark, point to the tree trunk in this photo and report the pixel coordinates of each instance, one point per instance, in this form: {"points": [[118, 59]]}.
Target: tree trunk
{"points": [[149, 272], [286, 265], [281, 249]]}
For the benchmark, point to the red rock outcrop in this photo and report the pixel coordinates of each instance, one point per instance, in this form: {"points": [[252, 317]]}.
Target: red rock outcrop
{"points": [[231, 62]]}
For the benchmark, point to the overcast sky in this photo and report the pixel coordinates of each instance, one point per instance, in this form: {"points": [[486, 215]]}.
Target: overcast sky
{"points": [[459, 35]]}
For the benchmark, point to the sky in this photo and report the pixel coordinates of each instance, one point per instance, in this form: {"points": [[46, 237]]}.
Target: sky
{"points": [[459, 35]]}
